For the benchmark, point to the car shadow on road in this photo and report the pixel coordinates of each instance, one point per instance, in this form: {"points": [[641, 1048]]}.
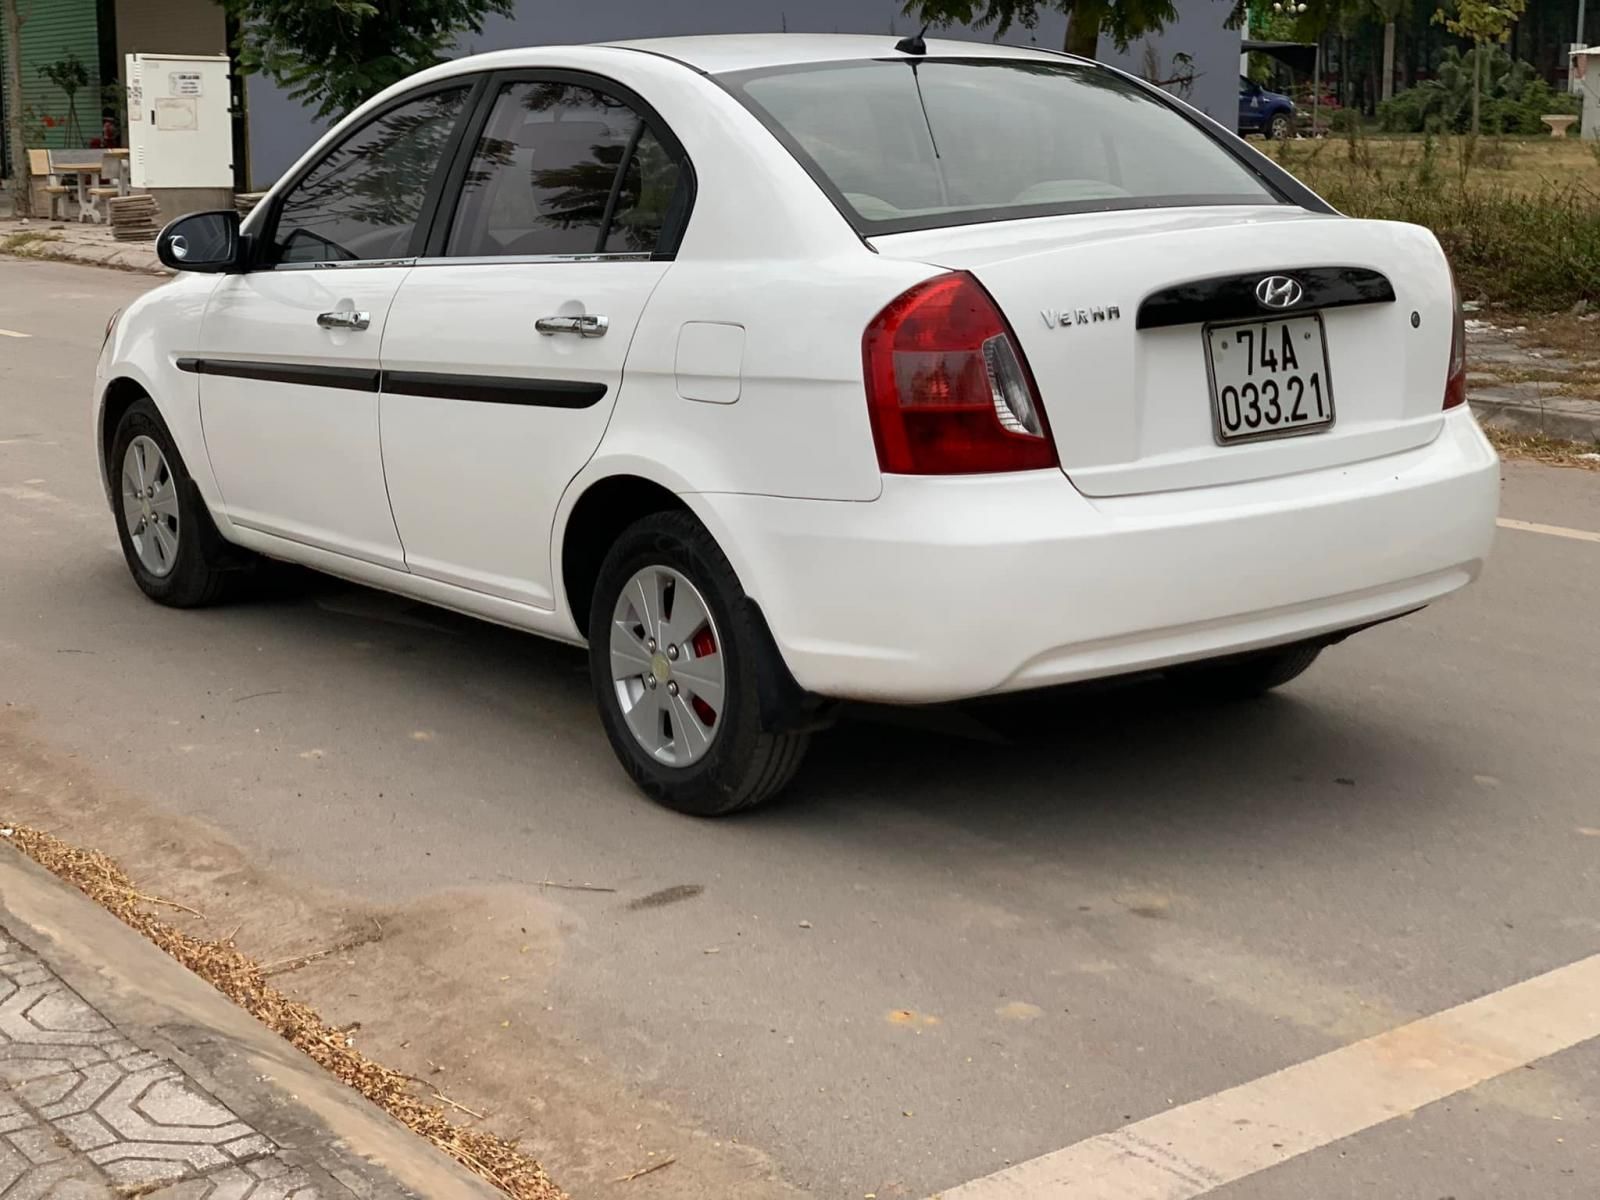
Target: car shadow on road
{"points": [[1070, 768], [1101, 766]]}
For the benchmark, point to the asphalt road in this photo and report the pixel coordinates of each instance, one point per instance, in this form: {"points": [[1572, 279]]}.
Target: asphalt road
{"points": [[970, 937]]}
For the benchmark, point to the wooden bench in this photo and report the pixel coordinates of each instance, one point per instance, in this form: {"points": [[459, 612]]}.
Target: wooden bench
{"points": [[53, 189]]}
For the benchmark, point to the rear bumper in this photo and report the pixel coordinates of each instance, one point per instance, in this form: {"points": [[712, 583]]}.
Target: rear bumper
{"points": [[953, 587]]}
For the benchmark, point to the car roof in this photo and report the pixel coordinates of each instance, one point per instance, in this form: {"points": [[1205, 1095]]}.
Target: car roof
{"points": [[717, 54]]}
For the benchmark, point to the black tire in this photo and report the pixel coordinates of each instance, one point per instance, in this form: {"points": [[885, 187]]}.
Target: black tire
{"points": [[1279, 128], [1244, 678], [746, 764], [201, 571]]}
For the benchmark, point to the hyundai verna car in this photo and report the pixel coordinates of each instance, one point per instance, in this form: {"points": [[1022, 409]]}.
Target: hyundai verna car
{"points": [[787, 370]]}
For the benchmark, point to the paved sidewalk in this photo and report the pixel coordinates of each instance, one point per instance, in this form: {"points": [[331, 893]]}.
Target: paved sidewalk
{"points": [[122, 1074], [70, 241], [1526, 390]]}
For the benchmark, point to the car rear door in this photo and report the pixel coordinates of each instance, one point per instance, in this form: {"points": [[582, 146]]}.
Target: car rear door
{"points": [[289, 371], [506, 344]]}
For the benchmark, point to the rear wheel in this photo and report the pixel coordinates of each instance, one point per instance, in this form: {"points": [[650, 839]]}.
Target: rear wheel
{"points": [[1280, 127], [171, 546], [1242, 678], [677, 663]]}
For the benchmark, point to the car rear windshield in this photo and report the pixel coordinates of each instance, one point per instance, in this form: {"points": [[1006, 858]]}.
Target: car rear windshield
{"points": [[901, 144]]}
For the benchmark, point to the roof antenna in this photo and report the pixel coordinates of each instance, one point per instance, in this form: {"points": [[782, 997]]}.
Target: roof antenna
{"points": [[913, 44]]}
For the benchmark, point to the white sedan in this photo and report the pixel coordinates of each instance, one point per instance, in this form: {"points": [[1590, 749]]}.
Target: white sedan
{"points": [[784, 370]]}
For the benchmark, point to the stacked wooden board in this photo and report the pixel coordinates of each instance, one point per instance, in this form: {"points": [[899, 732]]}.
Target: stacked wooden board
{"points": [[243, 202], [135, 218]]}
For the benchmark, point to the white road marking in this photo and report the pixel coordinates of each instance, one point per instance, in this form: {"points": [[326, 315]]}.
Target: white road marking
{"points": [[1581, 535], [1198, 1147], [14, 333]]}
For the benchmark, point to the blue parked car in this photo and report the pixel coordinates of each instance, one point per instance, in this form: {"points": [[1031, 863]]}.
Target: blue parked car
{"points": [[1270, 114]]}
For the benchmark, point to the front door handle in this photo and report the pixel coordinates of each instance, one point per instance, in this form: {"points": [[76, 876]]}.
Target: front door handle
{"points": [[344, 319], [589, 325]]}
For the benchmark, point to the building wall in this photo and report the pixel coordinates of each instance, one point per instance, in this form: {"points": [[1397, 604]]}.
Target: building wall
{"points": [[51, 29], [280, 129], [170, 27]]}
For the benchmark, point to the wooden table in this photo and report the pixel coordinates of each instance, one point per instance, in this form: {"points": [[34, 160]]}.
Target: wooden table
{"points": [[86, 169]]}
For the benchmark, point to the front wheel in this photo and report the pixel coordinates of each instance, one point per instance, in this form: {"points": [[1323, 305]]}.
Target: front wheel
{"points": [[677, 662], [1280, 128], [1242, 678], [171, 546]]}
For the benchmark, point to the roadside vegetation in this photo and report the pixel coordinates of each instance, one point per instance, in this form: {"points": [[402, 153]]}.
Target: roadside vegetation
{"points": [[1519, 217], [1552, 452]]}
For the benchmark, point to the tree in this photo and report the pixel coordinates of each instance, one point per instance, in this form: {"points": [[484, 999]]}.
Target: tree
{"points": [[336, 53], [70, 75], [21, 184], [1484, 22], [1120, 20]]}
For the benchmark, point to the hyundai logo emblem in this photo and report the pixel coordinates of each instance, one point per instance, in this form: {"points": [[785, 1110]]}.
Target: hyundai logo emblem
{"points": [[1279, 291]]}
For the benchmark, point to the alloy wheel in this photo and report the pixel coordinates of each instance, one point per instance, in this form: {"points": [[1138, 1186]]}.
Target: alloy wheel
{"points": [[150, 506], [667, 666]]}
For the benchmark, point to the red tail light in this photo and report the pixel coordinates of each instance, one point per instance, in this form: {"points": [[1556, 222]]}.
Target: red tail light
{"points": [[1455, 384], [948, 390]]}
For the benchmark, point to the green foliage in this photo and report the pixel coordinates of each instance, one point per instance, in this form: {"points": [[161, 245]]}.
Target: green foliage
{"points": [[1121, 20], [68, 73], [1514, 97], [333, 54], [1428, 164], [1481, 21]]}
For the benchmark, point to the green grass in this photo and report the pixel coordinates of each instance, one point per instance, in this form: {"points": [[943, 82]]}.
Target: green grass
{"points": [[1520, 220]]}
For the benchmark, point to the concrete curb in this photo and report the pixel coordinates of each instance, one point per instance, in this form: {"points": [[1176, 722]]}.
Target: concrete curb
{"points": [[1570, 420], [324, 1128], [134, 256]]}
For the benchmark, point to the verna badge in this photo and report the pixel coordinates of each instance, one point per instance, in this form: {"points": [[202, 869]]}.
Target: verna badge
{"points": [[1063, 318], [1279, 291]]}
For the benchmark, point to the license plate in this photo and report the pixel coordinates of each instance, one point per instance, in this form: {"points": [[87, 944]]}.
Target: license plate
{"points": [[1269, 379]]}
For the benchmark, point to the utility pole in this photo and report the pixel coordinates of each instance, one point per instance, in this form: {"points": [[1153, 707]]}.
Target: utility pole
{"points": [[21, 184]]}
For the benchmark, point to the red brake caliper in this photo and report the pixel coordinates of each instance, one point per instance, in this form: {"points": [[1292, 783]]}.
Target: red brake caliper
{"points": [[704, 645]]}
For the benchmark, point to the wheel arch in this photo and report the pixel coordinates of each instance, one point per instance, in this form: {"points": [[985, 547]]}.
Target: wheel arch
{"points": [[118, 396], [600, 509], [597, 513]]}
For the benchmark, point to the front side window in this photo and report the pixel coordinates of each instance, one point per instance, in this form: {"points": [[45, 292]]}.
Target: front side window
{"points": [[934, 142], [563, 169], [363, 200]]}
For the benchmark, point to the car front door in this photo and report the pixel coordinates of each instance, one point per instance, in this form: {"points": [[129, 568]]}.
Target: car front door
{"points": [[505, 345], [289, 373]]}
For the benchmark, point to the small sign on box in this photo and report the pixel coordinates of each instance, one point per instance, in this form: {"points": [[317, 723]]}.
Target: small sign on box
{"points": [[186, 83]]}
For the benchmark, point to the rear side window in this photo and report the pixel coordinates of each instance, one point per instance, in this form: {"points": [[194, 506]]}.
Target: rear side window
{"points": [[916, 145], [362, 201], [563, 169]]}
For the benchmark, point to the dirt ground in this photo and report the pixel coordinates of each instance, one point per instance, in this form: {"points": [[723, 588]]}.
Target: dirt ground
{"points": [[446, 989]]}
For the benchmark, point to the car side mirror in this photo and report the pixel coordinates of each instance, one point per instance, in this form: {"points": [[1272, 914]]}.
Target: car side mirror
{"points": [[207, 241]]}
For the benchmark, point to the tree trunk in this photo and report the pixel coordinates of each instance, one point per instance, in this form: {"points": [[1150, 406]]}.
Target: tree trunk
{"points": [[1386, 88], [1477, 68], [1083, 30], [21, 185]]}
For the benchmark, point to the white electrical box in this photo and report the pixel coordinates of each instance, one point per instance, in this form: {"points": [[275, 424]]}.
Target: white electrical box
{"points": [[180, 123]]}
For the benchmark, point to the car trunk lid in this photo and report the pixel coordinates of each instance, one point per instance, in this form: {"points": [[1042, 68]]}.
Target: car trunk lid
{"points": [[1110, 310]]}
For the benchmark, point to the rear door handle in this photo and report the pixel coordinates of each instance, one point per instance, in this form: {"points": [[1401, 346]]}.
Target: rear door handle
{"points": [[589, 325], [344, 319]]}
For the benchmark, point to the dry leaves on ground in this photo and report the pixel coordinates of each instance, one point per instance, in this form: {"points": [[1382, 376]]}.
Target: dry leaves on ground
{"points": [[1551, 451], [240, 978]]}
